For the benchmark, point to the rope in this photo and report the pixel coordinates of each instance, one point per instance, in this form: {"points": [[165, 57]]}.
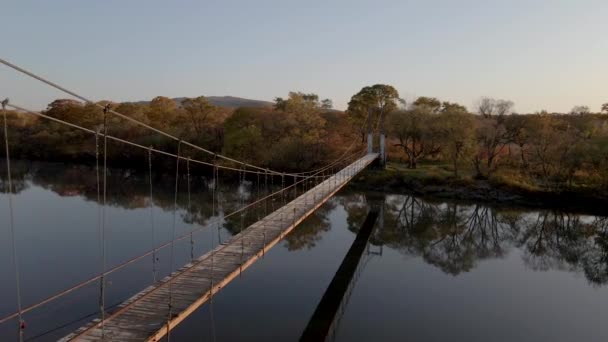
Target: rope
{"points": [[21, 326]]}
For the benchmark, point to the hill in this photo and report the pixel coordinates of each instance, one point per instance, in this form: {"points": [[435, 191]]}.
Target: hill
{"points": [[229, 102]]}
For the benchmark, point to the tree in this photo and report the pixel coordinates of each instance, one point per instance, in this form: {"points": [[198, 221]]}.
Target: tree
{"points": [[518, 132], [373, 102], [299, 103], [605, 108], [452, 107], [161, 111], [200, 113], [580, 110], [488, 107], [492, 138], [65, 109], [327, 104], [244, 138], [457, 127], [485, 107], [431, 103], [416, 131], [503, 107]]}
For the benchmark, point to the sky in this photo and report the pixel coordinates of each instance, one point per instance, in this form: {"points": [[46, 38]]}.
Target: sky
{"points": [[540, 54]]}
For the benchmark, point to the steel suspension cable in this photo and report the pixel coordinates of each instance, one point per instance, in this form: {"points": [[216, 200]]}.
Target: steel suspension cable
{"points": [[126, 117]]}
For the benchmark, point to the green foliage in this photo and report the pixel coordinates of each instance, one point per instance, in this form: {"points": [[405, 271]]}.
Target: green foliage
{"points": [[374, 102]]}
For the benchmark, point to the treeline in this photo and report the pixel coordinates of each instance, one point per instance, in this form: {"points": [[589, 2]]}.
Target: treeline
{"points": [[553, 151], [300, 133], [541, 150]]}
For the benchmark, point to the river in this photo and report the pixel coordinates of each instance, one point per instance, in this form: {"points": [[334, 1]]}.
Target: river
{"points": [[434, 270]]}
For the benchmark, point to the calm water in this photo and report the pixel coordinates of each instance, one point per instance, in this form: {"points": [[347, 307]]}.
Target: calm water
{"points": [[433, 271]]}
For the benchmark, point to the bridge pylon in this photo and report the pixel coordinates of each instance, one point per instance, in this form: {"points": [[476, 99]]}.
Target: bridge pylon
{"points": [[382, 141]]}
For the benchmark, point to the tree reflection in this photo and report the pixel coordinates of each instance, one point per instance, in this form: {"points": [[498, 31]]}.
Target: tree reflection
{"points": [[308, 233], [19, 177], [455, 237], [131, 190]]}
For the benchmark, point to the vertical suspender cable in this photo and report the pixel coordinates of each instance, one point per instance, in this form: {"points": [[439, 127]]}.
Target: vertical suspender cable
{"points": [[21, 323], [179, 145], [190, 209], [272, 199], [242, 200], [152, 229], [102, 300], [219, 207], [257, 209], [266, 192], [99, 205], [213, 193], [283, 187]]}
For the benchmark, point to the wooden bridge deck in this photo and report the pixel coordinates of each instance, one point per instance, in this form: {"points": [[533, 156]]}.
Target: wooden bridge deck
{"points": [[147, 317]]}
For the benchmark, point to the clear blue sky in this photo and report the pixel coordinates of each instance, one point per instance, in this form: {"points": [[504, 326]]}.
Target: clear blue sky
{"points": [[550, 54]]}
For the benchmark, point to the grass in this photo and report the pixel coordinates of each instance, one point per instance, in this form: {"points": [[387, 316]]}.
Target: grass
{"points": [[422, 172], [514, 180]]}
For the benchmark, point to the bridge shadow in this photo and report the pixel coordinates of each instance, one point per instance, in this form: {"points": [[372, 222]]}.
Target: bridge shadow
{"points": [[324, 320]]}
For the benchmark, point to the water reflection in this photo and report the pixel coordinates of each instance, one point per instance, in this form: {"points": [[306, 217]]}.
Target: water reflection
{"points": [[450, 236], [130, 190], [453, 236]]}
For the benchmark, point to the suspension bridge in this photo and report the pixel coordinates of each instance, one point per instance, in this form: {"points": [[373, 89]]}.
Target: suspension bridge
{"points": [[151, 314]]}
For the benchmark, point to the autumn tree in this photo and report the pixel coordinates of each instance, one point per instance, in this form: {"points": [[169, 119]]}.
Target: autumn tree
{"points": [[491, 133], [375, 103], [457, 128], [244, 139], [416, 131], [518, 132], [433, 105], [447, 107], [161, 111]]}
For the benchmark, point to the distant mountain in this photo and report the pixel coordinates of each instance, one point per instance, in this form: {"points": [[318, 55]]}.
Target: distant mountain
{"points": [[229, 102]]}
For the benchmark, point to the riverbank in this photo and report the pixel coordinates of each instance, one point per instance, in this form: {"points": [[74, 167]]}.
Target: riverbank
{"points": [[498, 190]]}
